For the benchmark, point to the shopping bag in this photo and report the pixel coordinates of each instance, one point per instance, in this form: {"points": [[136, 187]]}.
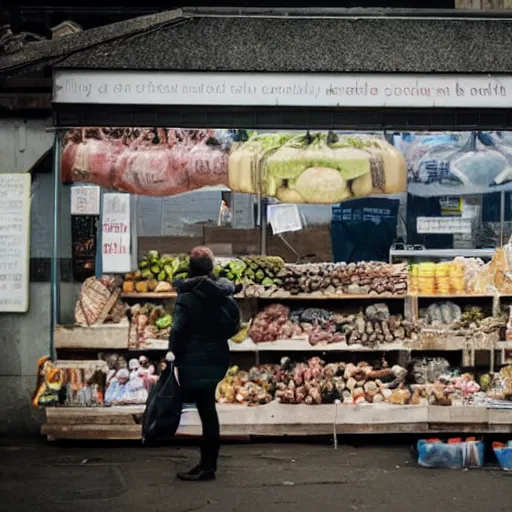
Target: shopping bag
{"points": [[162, 415], [504, 455]]}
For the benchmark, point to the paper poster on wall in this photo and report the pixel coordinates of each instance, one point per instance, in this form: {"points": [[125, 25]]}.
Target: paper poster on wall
{"points": [[284, 218], [14, 242], [85, 200], [116, 233], [443, 225], [294, 167]]}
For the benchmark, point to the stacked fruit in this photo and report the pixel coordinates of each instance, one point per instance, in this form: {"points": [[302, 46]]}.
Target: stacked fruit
{"points": [[156, 273], [261, 270], [426, 278]]}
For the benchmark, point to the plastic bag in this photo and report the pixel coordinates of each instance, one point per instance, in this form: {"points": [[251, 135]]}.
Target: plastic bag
{"points": [[162, 415], [436, 454], [504, 455]]}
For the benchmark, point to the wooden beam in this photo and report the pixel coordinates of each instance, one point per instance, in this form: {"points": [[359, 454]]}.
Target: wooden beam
{"points": [[34, 101]]}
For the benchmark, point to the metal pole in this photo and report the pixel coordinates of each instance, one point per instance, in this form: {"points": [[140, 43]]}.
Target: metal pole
{"points": [[502, 218], [55, 270], [263, 226]]}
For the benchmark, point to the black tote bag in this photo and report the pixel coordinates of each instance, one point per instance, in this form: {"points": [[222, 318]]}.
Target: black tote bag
{"points": [[162, 415]]}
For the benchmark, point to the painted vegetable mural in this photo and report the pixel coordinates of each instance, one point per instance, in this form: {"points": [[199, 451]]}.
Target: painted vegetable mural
{"points": [[295, 167]]}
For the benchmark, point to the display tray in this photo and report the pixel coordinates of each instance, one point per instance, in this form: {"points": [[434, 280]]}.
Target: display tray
{"points": [[428, 342], [320, 296], [277, 296], [95, 337], [274, 419], [115, 337]]}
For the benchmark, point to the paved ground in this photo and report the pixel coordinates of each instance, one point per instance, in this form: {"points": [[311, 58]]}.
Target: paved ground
{"points": [[35, 476]]}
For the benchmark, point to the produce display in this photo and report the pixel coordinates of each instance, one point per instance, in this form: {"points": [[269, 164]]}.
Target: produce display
{"points": [[496, 276], [129, 385], [457, 277], [254, 387], [471, 320], [148, 322], [156, 273], [69, 384], [255, 272], [464, 276], [375, 325], [113, 381], [99, 302], [331, 279], [315, 382]]}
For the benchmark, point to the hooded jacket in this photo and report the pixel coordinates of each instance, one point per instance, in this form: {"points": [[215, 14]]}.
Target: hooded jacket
{"points": [[205, 317]]}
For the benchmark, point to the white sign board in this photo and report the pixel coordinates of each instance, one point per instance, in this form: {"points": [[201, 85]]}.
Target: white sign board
{"points": [[284, 218], [116, 233], [284, 89], [14, 242], [443, 225], [85, 200]]}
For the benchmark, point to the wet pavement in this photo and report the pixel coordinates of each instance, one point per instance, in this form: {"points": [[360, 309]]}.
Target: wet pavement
{"points": [[252, 477]]}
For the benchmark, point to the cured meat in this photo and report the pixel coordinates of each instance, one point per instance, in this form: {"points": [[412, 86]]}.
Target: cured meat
{"points": [[152, 171], [91, 160], [207, 166], [156, 162], [93, 298]]}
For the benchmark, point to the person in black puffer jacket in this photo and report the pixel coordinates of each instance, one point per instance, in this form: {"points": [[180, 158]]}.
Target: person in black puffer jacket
{"points": [[205, 316]]}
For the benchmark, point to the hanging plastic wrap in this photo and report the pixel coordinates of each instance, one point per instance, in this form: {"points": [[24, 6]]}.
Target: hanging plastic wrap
{"points": [[457, 163]]}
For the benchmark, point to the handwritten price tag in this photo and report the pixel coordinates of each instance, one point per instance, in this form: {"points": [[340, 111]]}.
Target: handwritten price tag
{"points": [[116, 233], [85, 200]]}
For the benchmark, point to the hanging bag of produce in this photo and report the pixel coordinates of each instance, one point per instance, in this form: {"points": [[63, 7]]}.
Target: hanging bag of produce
{"points": [[162, 415]]}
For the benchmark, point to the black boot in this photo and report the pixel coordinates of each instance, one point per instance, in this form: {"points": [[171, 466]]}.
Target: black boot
{"points": [[209, 456], [197, 474]]}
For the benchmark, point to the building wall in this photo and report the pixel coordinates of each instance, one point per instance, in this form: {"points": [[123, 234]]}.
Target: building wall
{"points": [[25, 337], [484, 5]]}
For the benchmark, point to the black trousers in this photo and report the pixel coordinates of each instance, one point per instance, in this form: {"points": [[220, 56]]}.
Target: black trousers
{"points": [[210, 442]]}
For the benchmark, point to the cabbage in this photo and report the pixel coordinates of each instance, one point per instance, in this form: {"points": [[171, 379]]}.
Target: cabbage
{"points": [[322, 185]]}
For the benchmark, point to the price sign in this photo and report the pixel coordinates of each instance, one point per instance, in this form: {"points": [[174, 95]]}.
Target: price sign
{"points": [[284, 218], [443, 225], [85, 200], [116, 233], [14, 242]]}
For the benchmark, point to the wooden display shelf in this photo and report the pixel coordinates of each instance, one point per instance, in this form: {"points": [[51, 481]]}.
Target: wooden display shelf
{"points": [[274, 419], [455, 296], [438, 342], [346, 296], [173, 295], [115, 337], [95, 337], [149, 295]]}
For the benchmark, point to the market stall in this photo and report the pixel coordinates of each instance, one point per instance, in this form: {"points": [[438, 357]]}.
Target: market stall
{"points": [[344, 346]]}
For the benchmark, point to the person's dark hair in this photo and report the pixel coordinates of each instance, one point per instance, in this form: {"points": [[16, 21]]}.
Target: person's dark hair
{"points": [[201, 262]]}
